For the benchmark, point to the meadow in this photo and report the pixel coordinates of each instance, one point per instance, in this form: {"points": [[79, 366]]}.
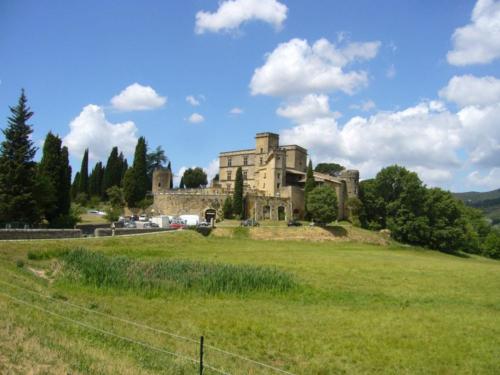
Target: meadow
{"points": [[305, 307]]}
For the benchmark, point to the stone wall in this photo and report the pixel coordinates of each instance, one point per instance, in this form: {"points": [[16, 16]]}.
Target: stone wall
{"points": [[104, 232], [36, 234], [188, 202]]}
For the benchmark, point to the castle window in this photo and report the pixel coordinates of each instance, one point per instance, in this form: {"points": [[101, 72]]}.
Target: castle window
{"points": [[245, 160], [279, 175], [261, 160], [244, 175], [264, 175], [261, 150], [229, 162], [229, 175], [278, 185]]}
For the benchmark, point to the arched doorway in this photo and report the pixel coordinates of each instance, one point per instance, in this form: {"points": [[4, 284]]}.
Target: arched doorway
{"points": [[281, 213], [266, 212], [210, 213]]}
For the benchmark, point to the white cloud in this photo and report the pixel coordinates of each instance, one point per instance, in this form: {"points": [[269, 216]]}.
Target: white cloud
{"points": [[479, 41], [490, 181], [365, 106], [212, 170], [178, 176], [196, 118], [236, 111], [481, 134], [425, 138], [391, 72], [310, 107], [470, 90], [297, 68], [90, 129], [232, 13], [138, 98], [192, 100]]}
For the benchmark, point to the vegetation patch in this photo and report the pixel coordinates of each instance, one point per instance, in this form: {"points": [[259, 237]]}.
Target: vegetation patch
{"points": [[46, 253], [99, 270]]}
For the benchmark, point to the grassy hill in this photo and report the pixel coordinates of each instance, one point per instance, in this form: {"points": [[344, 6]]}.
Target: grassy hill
{"points": [[341, 307], [488, 202]]}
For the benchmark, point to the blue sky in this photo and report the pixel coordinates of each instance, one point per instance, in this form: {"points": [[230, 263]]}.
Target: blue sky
{"points": [[363, 83]]}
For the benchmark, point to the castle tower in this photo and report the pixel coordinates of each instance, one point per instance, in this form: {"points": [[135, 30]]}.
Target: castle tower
{"points": [[266, 142], [351, 178], [162, 178]]}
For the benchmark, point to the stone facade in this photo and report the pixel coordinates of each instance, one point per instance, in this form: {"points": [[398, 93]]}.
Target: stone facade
{"points": [[273, 176]]}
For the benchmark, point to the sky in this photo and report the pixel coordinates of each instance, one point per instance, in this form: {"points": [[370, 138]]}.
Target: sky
{"points": [[363, 83]]}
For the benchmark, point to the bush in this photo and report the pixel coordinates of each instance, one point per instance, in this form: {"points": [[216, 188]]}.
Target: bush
{"points": [[227, 208], [19, 263], [322, 204]]}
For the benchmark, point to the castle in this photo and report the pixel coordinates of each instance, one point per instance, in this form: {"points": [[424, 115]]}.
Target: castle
{"points": [[273, 175]]}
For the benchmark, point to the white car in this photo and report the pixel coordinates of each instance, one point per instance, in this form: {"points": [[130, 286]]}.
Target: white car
{"points": [[143, 217]]}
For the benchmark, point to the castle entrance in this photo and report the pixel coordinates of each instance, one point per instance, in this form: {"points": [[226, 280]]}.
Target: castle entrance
{"points": [[210, 214], [281, 213]]}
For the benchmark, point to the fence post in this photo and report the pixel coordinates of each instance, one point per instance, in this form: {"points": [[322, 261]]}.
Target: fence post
{"points": [[201, 355]]}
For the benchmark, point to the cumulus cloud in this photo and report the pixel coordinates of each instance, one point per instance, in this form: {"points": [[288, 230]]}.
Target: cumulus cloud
{"points": [[365, 106], [196, 118], [297, 68], [236, 111], [310, 107], [391, 71], [479, 41], [90, 129], [425, 138], [138, 98], [232, 13], [490, 181], [192, 100], [470, 90]]}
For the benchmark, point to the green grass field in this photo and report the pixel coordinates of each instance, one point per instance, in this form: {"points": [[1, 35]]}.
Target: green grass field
{"points": [[350, 307]]}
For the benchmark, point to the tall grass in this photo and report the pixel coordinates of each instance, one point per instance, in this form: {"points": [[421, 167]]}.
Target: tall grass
{"points": [[97, 269]]}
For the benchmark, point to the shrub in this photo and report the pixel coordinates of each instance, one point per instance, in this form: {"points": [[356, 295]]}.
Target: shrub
{"points": [[322, 204]]}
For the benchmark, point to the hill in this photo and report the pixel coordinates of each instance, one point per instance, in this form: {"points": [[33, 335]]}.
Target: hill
{"points": [[488, 202], [323, 307]]}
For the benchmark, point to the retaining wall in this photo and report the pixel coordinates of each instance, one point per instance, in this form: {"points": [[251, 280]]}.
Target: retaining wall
{"points": [[37, 234], [103, 232]]}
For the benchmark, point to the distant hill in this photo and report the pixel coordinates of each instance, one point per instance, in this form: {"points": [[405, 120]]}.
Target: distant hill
{"points": [[488, 202]]}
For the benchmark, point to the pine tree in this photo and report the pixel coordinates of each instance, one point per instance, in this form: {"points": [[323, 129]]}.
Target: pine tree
{"points": [[84, 174], [309, 185], [75, 187], [169, 168], [238, 208], [95, 180], [181, 184], [17, 168]]}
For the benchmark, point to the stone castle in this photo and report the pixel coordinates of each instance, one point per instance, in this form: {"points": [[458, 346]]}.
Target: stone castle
{"points": [[274, 176]]}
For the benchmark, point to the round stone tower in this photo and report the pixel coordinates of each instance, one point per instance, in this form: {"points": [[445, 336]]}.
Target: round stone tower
{"points": [[351, 178], [162, 178]]}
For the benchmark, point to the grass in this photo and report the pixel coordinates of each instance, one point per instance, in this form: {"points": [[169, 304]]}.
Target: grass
{"points": [[359, 308], [96, 269]]}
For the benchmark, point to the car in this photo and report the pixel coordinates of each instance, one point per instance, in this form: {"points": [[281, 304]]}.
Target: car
{"points": [[177, 224], [249, 223], [143, 217], [294, 223], [130, 224], [204, 224]]}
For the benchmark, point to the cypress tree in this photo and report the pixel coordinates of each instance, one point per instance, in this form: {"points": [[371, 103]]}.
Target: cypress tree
{"points": [[17, 168], [65, 192], [50, 169], [238, 194], [75, 187], [84, 174], [181, 184], [136, 181], [309, 185], [95, 180], [169, 167], [123, 166], [113, 172]]}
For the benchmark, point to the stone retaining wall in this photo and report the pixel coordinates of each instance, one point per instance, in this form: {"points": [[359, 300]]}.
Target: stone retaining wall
{"points": [[103, 232], [37, 234]]}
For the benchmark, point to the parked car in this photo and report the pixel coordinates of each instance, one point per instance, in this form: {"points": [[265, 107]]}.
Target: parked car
{"points": [[204, 224], [149, 225], [294, 223], [130, 224], [177, 224], [143, 217], [249, 223]]}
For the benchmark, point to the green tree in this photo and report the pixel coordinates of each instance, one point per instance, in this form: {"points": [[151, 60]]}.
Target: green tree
{"points": [[227, 208], [238, 208], [113, 173], [355, 207], [372, 215], [333, 169], [181, 184], [491, 246], [169, 167], [310, 184], [17, 168], [194, 178], [155, 159], [54, 173], [136, 182], [75, 186], [96, 180], [83, 183], [322, 204]]}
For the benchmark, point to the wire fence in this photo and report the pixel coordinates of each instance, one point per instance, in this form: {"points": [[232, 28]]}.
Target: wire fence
{"points": [[199, 361]]}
